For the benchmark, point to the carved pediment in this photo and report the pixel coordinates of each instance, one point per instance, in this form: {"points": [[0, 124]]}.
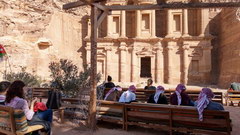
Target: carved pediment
{"points": [[195, 52], [146, 52], [101, 53]]}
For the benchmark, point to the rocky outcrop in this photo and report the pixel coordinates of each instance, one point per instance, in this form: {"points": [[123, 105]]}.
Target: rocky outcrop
{"points": [[229, 50], [36, 32]]}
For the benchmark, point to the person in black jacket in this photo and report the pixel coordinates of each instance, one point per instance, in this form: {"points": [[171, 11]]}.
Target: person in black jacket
{"points": [[158, 97], [109, 84], [149, 85]]}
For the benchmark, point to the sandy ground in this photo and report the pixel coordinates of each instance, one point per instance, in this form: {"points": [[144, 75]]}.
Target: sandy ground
{"points": [[71, 128]]}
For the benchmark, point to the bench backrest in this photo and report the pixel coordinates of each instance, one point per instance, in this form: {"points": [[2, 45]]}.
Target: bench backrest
{"points": [[110, 108], [143, 95], [41, 93], [12, 120], [181, 117]]}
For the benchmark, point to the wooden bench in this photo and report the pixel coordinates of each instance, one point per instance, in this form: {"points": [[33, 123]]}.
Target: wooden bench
{"points": [[111, 112], [143, 95], [232, 96], [8, 124], [41, 93], [106, 110], [177, 119]]}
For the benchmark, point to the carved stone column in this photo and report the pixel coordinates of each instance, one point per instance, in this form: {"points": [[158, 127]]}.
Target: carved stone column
{"points": [[109, 26], [88, 50], [123, 24], [138, 27], [207, 58], [159, 63], [185, 22], [207, 62], [153, 23], [169, 26], [108, 61], [204, 23], [185, 48], [122, 71], [170, 64], [133, 64], [89, 28]]}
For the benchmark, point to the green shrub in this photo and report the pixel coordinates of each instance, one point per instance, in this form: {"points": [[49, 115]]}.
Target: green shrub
{"points": [[29, 79], [66, 77]]}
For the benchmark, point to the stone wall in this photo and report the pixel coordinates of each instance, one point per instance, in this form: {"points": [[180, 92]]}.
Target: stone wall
{"points": [[34, 33], [229, 50]]}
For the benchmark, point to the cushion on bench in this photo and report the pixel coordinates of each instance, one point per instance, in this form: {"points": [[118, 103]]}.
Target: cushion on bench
{"points": [[20, 120]]}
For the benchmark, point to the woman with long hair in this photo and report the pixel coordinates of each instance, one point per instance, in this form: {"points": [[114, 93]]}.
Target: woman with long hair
{"points": [[15, 99]]}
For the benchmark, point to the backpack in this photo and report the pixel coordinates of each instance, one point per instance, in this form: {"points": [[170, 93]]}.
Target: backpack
{"points": [[235, 86], [54, 99]]}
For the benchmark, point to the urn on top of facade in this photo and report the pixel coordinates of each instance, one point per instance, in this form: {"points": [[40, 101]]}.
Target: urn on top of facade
{"points": [[145, 2], [183, 1], [117, 2]]}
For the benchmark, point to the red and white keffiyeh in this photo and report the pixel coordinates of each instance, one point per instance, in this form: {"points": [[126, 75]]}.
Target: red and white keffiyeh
{"points": [[204, 98], [112, 90]]}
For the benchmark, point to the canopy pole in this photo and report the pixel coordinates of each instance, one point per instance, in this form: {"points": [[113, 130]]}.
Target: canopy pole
{"points": [[93, 95]]}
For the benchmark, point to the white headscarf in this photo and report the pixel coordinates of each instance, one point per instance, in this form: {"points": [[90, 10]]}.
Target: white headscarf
{"points": [[158, 92], [179, 89]]}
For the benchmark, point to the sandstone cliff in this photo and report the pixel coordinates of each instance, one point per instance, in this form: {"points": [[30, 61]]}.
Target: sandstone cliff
{"points": [[36, 32], [229, 49]]}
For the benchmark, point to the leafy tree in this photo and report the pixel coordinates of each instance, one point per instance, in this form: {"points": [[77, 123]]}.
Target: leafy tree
{"points": [[66, 77]]}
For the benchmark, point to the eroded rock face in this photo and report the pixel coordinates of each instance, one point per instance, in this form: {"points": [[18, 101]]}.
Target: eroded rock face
{"points": [[36, 32], [229, 49]]}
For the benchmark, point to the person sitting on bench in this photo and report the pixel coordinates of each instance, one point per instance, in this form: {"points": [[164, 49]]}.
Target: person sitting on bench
{"points": [[149, 85], [129, 95], [113, 94], [179, 97], [158, 97], [3, 89], [15, 99], [205, 102]]}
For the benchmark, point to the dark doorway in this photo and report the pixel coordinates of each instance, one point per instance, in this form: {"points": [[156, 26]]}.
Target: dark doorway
{"points": [[145, 67]]}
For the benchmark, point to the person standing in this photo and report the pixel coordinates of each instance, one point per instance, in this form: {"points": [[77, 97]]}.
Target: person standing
{"points": [[149, 85], [109, 84]]}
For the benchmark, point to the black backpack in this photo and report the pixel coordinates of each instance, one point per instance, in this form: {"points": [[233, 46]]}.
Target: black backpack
{"points": [[54, 99]]}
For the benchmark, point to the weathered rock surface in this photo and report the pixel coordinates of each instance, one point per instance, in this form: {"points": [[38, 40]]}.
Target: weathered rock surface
{"points": [[36, 32], [229, 51]]}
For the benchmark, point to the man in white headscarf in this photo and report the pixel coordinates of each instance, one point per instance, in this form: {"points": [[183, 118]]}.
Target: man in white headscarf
{"points": [[129, 95], [158, 97], [205, 102], [179, 97]]}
